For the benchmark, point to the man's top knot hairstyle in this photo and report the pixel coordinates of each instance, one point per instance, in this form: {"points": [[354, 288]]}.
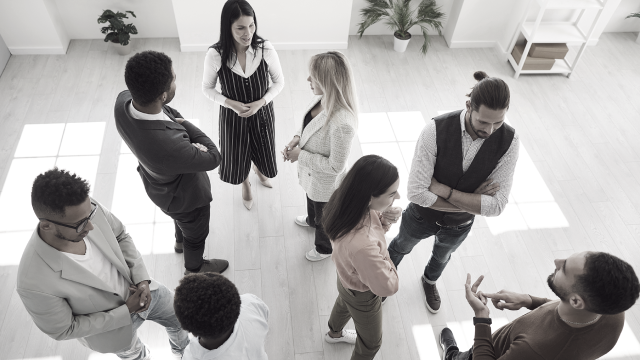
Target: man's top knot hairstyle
{"points": [[206, 304], [56, 189], [147, 75], [489, 91], [608, 285]]}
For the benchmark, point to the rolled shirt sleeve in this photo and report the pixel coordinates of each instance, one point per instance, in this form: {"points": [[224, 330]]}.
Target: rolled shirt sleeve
{"points": [[503, 175], [422, 166]]}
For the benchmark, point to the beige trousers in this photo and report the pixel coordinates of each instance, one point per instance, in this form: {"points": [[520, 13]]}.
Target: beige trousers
{"points": [[366, 310]]}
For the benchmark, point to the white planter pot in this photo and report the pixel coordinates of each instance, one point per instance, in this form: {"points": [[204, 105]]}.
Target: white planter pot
{"points": [[122, 50], [400, 45]]}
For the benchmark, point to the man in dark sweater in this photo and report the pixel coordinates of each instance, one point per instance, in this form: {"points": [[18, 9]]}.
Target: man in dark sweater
{"points": [[463, 166], [595, 289], [173, 154]]}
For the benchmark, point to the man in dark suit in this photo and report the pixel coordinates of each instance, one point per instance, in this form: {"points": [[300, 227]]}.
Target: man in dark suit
{"points": [[173, 154]]}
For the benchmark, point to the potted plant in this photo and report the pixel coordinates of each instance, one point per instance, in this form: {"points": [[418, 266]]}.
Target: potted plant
{"points": [[399, 16], [635, 15], [117, 31]]}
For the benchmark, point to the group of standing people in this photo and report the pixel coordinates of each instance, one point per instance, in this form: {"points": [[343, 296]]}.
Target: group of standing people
{"points": [[81, 276]]}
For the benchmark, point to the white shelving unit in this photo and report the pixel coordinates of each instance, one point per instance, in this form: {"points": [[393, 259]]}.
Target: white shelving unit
{"points": [[540, 31]]}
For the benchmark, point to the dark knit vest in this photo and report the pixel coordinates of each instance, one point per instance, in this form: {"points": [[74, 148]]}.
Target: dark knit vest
{"points": [[448, 168]]}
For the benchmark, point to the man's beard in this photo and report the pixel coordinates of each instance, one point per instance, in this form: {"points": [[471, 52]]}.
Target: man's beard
{"points": [[561, 293], [59, 235]]}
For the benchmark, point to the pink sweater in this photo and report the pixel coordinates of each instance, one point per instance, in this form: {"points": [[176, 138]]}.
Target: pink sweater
{"points": [[362, 259]]}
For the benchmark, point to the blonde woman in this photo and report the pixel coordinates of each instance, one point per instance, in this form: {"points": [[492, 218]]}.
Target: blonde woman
{"points": [[322, 144]]}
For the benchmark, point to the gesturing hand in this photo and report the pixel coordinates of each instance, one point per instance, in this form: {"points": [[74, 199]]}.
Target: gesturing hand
{"points": [[252, 108], [509, 300], [488, 188], [476, 299], [293, 154]]}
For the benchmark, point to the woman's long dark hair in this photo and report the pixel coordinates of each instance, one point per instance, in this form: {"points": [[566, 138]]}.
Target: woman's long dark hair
{"points": [[232, 11], [371, 175]]}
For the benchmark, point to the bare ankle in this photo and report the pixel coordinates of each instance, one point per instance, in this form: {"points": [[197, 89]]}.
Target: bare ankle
{"points": [[335, 334]]}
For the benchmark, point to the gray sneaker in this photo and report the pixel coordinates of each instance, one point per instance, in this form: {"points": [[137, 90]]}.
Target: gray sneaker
{"points": [[431, 295]]}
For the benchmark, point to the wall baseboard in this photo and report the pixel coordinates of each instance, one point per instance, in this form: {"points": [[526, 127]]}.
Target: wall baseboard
{"points": [[278, 46], [472, 44], [38, 51]]}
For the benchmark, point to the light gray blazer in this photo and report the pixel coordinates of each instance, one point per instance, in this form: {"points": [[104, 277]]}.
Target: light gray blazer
{"points": [[66, 301], [325, 149]]}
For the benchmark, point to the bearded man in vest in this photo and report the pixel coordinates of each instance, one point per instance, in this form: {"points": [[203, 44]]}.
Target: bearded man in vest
{"points": [[463, 166]]}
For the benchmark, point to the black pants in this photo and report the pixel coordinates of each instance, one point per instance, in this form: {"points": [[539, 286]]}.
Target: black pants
{"points": [[454, 354], [192, 229], [314, 219]]}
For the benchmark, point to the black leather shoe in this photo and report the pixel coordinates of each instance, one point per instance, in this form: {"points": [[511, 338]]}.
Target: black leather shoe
{"points": [[178, 247], [431, 296], [447, 341], [213, 265]]}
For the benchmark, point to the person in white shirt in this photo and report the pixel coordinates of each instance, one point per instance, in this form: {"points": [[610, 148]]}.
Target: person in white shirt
{"points": [[244, 64], [226, 325]]}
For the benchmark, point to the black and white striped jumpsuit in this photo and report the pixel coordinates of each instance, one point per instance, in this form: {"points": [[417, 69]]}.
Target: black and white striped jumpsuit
{"points": [[251, 139]]}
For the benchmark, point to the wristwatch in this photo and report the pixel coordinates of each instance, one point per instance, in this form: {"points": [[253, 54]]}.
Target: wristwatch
{"points": [[477, 321]]}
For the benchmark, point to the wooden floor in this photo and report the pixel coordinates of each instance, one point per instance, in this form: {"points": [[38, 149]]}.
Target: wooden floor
{"points": [[577, 186]]}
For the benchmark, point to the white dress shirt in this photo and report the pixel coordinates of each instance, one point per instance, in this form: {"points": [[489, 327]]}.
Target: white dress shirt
{"points": [[213, 62], [247, 339], [424, 161], [144, 116]]}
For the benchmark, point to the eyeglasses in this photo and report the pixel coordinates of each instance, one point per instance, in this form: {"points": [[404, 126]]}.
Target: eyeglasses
{"points": [[83, 222]]}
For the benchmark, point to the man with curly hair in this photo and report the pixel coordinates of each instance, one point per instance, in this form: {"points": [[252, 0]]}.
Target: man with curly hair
{"points": [[81, 276], [595, 289], [173, 154], [228, 326]]}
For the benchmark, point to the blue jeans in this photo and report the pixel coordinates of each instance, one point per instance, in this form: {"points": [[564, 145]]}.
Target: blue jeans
{"points": [[161, 312], [414, 229]]}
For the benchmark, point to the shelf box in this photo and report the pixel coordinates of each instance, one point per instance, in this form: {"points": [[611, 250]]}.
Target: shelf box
{"points": [[549, 51], [531, 63], [553, 32]]}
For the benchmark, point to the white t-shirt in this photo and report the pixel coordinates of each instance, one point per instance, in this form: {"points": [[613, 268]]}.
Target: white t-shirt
{"points": [[247, 340], [95, 262]]}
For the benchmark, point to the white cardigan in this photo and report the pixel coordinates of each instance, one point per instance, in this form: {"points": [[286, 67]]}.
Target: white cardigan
{"points": [[325, 149]]}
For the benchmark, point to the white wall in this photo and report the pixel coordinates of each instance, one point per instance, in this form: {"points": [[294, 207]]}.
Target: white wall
{"points": [[32, 27], [5, 54], [288, 24], [382, 29], [155, 18], [618, 23]]}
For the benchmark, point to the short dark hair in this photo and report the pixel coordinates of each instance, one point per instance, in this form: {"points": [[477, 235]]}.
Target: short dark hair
{"points": [[55, 189], [491, 92], [206, 304], [147, 75], [608, 285], [371, 175]]}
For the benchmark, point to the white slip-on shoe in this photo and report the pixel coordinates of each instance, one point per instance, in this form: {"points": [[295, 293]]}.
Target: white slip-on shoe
{"points": [[301, 220], [348, 336], [313, 255]]}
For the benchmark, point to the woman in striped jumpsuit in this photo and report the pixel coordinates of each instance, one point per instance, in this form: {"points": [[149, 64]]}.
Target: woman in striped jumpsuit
{"points": [[244, 63]]}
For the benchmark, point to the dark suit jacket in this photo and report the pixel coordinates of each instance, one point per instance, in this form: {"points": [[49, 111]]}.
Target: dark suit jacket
{"points": [[173, 171]]}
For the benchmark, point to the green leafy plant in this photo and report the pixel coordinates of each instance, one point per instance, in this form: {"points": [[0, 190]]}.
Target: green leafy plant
{"points": [[398, 15], [633, 15], [117, 31]]}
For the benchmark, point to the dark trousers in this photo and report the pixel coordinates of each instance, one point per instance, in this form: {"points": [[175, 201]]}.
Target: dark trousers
{"points": [[192, 229], [314, 219], [454, 354], [414, 229]]}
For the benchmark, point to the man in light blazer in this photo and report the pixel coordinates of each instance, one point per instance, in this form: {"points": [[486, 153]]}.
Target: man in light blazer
{"points": [[81, 276]]}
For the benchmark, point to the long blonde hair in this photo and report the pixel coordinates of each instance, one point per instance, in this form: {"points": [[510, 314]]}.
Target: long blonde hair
{"points": [[332, 73]]}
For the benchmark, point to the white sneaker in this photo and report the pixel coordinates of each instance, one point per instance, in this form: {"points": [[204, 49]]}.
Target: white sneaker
{"points": [[348, 336], [301, 220], [313, 255]]}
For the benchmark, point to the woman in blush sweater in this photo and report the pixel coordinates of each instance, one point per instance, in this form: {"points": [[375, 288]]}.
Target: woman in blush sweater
{"points": [[354, 222]]}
